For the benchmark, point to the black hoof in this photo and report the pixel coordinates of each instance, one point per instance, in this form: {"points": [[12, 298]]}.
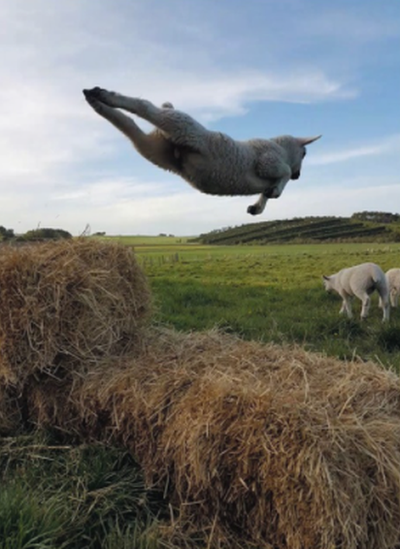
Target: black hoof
{"points": [[94, 92], [252, 210]]}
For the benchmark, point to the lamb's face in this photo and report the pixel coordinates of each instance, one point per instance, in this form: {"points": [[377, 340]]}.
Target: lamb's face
{"points": [[298, 155], [295, 148], [328, 283]]}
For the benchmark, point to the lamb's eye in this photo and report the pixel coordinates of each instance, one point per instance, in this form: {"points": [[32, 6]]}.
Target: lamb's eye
{"points": [[304, 153]]}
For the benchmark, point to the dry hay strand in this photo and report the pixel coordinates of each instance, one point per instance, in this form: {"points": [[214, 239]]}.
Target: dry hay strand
{"points": [[67, 303], [251, 443]]}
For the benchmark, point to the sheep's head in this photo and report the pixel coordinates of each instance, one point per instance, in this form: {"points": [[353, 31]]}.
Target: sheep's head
{"points": [[295, 148], [328, 282]]}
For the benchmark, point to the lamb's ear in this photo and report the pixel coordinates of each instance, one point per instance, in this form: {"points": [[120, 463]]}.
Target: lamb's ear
{"points": [[307, 140], [325, 277]]}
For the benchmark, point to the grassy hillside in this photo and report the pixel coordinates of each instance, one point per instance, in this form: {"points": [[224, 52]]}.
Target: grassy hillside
{"points": [[309, 229]]}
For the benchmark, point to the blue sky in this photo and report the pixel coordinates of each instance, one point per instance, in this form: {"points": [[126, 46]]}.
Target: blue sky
{"points": [[250, 69]]}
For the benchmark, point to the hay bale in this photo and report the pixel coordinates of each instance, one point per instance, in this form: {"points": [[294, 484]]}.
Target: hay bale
{"points": [[252, 443], [66, 304], [10, 413]]}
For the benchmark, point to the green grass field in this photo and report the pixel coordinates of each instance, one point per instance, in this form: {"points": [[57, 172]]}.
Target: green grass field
{"points": [[148, 241], [272, 293], [69, 497]]}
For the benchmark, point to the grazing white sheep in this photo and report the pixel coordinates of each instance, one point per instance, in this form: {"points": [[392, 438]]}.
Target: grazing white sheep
{"points": [[210, 161], [360, 281], [393, 280]]}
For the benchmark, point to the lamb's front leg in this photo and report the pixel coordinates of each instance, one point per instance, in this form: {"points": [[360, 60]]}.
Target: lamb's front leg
{"points": [[276, 175], [177, 126], [386, 311], [259, 206], [274, 192], [346, 306], [394, 297]]}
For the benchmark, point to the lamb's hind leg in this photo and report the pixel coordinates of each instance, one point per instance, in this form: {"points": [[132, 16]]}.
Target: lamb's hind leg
{"points": [[384, 303], [154, 147], [122, 122], [366, 302], [176, 126]]}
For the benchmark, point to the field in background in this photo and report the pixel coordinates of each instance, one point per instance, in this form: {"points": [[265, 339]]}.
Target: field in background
{"points": [[149, 241], [271, 293]]}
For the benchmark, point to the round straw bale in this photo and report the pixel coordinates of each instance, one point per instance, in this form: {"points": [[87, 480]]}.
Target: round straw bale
{"points": [[67, 303], [253, 443]]}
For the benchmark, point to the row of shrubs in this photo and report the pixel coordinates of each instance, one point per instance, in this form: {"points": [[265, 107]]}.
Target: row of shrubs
{"points": [[307, 229], [8, 235]]}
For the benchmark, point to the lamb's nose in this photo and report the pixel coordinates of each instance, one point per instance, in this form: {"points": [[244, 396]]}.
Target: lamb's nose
{"points": [[296, 175]]}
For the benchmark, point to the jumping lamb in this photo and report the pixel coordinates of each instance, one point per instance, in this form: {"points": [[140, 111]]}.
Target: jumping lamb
{"points": [[210, 161], [393, 280], [361, 281]]}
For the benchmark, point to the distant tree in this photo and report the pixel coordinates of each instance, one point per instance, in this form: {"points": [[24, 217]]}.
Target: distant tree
{"points": [[6, 234], [378, 217], [99, 233]]}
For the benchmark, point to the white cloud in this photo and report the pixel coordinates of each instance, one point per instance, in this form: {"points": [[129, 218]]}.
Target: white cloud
{"points": [[216, 94], [350, 25], [104, 192], [387, 145]]}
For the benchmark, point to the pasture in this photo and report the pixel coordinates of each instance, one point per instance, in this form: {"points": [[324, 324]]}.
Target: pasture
{"points": [[271, 293]]}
